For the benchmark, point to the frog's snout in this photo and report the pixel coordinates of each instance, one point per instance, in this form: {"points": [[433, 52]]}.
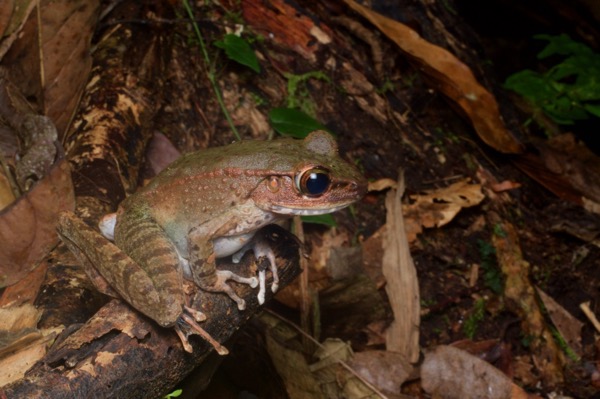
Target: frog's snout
{"points": [[354, 188]]}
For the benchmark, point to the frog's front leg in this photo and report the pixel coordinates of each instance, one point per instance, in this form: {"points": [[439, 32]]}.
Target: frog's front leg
{"points": [[202, 260], [264, 255]]}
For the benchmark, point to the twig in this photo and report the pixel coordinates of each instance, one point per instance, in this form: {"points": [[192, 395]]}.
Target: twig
{"points": [[585, 307]]}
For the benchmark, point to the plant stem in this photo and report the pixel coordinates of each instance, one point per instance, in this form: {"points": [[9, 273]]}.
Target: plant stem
{"points": [[210, 70]]}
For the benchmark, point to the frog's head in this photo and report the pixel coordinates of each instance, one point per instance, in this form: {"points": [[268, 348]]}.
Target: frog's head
{"points": [[317, 182]]}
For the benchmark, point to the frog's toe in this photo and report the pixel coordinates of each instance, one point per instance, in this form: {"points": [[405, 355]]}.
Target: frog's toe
{"points": [[196, 314], [228, 275], [183, 337], [193, 328], [241, 304], [266, 258], [262, 289], [221, 285]]}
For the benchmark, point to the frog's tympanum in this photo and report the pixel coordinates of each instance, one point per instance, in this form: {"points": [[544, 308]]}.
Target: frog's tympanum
{"points": [[206, 205]]}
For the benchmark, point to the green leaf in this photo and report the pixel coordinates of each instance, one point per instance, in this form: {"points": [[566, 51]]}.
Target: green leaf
{"points": [[238, 50], [593, 109], [175, 394], [567, 92], [561, 45], [293, 122], [531, 85], [326, 220]]}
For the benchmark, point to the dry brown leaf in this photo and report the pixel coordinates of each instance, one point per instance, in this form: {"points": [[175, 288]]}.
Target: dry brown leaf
{"points": [[283, 345], [451, 373], [25, 290], [21, 344], [329, 377], [384, 369], [15, 320], [402, 286], [382, 184], [67, 28], [460, 193], [574, 162], [452, 77], [438, 208], [27, 228], [6, 11], [23, 355], [335, 380], [12, 18], [567, 325], [532, 165], [115, 316], [7, 195]]}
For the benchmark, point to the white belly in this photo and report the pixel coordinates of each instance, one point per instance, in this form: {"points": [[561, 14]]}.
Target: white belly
{"points": [[225, 246]]}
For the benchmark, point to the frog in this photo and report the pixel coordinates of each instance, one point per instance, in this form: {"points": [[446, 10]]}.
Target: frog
{"points": [[205, 206]]}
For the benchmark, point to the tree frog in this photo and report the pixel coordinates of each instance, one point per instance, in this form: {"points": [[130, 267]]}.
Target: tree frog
{"points": [[207, 205]]}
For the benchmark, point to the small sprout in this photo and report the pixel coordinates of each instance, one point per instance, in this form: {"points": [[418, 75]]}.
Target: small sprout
{"points": [[293, 122], [175, 394], [238, 50]]}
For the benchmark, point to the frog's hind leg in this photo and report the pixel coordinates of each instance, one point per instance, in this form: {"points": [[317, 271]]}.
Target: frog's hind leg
{"points": [[146, 242], [155, 262], [107, 264]]}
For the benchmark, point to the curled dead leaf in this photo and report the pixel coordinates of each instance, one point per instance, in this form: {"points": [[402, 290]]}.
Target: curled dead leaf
{"points": [[453, 78], [382, 184], [56, 72], [402, 286], [27, 227], [437, 208]]}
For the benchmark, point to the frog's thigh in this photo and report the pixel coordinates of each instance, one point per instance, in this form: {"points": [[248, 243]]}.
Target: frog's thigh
{"points": [[154, 277], [202, 259]]}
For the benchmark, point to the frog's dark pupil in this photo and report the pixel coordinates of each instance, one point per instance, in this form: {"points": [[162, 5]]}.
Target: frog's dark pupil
{"points": [[317, 182]]}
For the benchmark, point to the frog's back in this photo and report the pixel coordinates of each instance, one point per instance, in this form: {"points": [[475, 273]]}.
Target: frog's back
{"points": [[275, 155]]}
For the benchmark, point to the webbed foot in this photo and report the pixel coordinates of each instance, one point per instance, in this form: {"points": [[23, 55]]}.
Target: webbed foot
{"points": [[187, 325]]}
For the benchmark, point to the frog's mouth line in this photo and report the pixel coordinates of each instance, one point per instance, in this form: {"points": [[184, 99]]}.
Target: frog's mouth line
{"points": [[305, 211]]}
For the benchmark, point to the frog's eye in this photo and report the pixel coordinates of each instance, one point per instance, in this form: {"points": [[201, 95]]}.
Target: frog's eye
{"points": [[313, 182]]}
